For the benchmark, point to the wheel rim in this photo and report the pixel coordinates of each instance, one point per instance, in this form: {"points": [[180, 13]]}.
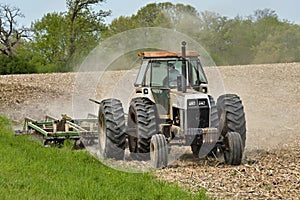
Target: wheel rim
{"points": [[152, 152]]}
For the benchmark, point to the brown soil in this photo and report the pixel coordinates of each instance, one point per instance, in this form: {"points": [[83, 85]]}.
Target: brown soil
{"points": [[271, 165]]}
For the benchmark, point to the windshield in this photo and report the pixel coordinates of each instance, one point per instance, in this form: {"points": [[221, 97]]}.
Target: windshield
{"points": [[164, 73]]}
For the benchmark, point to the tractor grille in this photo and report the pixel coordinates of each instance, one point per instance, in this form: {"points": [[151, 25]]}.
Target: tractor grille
{"points": [[198, 116]]}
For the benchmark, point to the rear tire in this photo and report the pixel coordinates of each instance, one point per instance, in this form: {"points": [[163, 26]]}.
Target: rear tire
{"points": [[142, 125], [159, 151], [111, 129], [231, 115], [234, 149]]}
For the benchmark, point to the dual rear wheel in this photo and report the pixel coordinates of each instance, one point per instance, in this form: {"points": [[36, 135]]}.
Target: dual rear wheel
{"points": [[232, 127]]}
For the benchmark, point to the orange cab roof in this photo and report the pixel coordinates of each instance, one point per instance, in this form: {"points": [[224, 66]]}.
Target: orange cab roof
{"points": [[164, 54]]}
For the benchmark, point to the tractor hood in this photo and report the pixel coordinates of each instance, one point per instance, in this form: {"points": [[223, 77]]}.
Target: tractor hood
{"points": [[190, 98]]}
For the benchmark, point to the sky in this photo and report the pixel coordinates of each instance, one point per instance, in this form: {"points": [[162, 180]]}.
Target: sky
{"points": [[285, 9]]}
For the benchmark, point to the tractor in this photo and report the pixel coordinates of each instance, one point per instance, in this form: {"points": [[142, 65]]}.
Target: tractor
{"points": [[171, 105]]}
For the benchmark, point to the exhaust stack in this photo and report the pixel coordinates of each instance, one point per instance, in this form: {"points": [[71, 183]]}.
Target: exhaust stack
{"points": [[183, 54]]}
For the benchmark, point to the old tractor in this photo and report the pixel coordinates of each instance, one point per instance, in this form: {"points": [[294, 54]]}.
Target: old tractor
{"points": [[172, 106]]}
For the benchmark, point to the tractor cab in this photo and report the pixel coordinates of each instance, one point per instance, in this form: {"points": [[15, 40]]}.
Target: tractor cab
{"points": [[166, 77], [165, 70]]}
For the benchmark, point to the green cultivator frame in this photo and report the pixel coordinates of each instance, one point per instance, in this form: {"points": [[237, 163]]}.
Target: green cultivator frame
{"points": [[55, 131]]}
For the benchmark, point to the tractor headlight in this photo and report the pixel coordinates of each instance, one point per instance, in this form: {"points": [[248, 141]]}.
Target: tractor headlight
{"points": [[192, 103]]}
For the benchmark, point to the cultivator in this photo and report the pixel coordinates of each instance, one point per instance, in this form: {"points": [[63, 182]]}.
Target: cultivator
{"points": [[55, 131]]}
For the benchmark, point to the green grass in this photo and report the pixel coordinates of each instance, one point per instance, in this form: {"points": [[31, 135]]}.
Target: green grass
{"points": [[30, 171]]}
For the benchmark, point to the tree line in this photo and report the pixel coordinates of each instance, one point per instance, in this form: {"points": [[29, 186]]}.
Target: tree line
{"points": [[60, 41]]}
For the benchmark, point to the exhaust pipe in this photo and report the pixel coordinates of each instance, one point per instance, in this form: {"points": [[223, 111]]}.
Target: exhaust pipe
{"points": [[183, 54]]}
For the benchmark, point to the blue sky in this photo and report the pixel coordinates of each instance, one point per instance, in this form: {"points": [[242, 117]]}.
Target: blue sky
{"points": [[286, 9]]}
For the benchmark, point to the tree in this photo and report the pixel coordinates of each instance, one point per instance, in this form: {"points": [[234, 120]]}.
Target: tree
{"points": [[63, 39], [265, 22], [50, 41], [10, 34], [283, 45], [16, 65], [213, 35], [119, 25], [181, 17], [85, 25], [239, 36], [263, 14], [166, 15]]}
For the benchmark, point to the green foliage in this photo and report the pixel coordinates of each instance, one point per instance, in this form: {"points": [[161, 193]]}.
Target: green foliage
{"points": [[212, 34], [165, 15], [119, 25], [50, 42], [85, 25], [16, 65], [62, 40], [31, 171], [258, 38], [279, 47], [59, 41]]}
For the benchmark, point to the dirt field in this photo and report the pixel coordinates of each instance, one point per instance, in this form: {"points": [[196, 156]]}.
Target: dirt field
{"points": [[271, 167]]}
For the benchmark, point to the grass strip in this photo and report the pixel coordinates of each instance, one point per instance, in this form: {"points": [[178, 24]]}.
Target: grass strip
{"points": [[30, 171]]}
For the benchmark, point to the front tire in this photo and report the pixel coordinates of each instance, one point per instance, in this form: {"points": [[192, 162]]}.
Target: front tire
{"points": [[112, 135], [233, 148], [159, 151]]}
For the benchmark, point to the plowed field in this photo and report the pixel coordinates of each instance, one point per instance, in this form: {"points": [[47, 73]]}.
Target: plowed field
{"points": [[270, 94]]}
